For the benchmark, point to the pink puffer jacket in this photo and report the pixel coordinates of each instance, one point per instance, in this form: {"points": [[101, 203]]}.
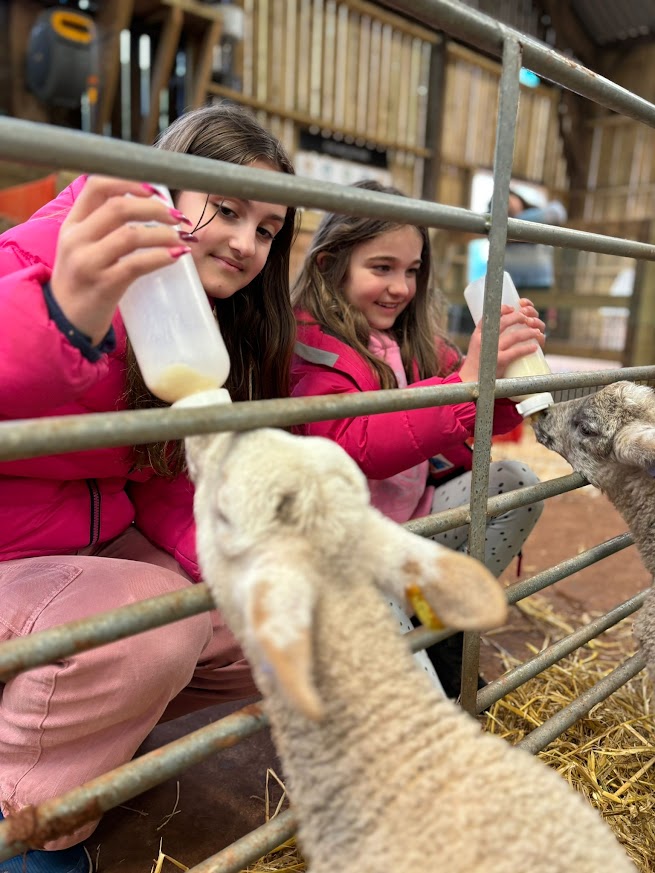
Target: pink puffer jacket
{"points": [[391, 442], [61, 503]]}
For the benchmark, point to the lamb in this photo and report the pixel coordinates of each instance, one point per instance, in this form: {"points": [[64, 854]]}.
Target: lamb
{"points": [[384, 773], [609, 437]]}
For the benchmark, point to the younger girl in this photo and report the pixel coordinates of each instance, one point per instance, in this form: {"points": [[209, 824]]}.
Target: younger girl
{"points": [[365, 318], [94, 530]]}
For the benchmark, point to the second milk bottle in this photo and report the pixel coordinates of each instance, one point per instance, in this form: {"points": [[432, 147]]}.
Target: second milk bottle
{"points": [[532, 364]]}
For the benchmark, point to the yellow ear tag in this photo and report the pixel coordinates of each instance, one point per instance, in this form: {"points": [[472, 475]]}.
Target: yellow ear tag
{"points": [[422, 609]]}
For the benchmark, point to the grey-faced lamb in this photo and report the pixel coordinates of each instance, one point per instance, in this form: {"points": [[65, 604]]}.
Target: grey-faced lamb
{"points": [[384, 773], [609, 437]]}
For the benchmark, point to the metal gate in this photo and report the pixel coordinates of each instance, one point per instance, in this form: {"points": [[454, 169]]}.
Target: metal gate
{"points": [[63, 148]]}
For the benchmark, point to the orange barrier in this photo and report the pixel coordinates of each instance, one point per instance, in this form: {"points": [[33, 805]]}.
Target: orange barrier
{"points": [[21, 201], [514, 436]]}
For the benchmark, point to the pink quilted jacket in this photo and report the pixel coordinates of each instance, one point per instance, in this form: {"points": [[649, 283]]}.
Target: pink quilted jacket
{"points": [[61, 503], [389, 443]]}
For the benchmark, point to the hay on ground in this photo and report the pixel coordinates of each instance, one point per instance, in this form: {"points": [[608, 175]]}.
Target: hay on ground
{"points": [[609, 754]]}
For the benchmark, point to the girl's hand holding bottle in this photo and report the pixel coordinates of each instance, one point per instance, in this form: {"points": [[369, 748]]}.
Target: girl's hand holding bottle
{"points": [[106, 242], [521, 332]]}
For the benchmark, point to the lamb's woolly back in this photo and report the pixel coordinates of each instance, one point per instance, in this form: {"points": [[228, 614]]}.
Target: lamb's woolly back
{"points": [[384, 773]]}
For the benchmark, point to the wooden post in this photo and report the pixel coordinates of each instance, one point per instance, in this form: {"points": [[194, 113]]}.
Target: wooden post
{"points": [[641, 328], [434, 121], [112, 19], [161, 74], [23, 104], [5, 71], [203, 67]]}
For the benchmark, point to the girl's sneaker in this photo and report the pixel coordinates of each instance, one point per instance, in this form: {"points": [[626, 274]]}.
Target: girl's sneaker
{"points": [[73, 860]]}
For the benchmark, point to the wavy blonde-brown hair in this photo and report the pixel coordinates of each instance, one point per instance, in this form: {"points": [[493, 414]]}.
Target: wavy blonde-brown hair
{"points": [[257, 322], [318, 291]]}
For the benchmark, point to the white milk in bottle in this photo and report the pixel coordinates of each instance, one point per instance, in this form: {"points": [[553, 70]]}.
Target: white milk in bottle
{"points": [[533, 364]]}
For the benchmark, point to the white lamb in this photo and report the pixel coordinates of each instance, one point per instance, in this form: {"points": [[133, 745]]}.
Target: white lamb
{"points": [[609, 437], [385, 774]]}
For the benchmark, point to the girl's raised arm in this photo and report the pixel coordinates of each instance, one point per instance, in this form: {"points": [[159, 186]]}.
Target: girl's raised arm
{"points": [[106, 242]]}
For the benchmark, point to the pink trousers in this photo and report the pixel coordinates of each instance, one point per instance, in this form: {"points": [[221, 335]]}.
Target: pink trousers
{"points": [[65, 723]]}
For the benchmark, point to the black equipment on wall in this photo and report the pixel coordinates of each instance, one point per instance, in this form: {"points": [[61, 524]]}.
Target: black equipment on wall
{"points": [[61, 58]]}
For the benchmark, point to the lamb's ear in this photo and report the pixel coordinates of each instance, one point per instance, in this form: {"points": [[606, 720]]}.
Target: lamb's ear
{"points": [[443, 587], [280, 625], [635, 444]]}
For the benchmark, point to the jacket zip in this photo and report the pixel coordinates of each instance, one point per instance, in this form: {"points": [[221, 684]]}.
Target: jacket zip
{"points": [[94, 492]]}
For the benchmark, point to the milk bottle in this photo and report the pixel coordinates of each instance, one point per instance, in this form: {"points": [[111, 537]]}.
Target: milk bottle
{"points": [[173, 331], [533, 364]]}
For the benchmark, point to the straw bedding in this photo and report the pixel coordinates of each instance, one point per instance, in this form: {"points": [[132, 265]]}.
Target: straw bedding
{"points": [[609, 755]]}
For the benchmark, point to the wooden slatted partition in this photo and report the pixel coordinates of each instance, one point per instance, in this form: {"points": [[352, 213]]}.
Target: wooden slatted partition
{"points": [[344, 67], [468, 141]]}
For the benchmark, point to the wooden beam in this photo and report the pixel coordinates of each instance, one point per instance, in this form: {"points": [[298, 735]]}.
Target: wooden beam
{"points": [[576, 137], [111, 20], [163, 68], [434, 121], [196, 8], [398, 22], [304, 118], [23, 104], [5, 70], [202, 73], [641, 326], [561, 347], [570, 34]]}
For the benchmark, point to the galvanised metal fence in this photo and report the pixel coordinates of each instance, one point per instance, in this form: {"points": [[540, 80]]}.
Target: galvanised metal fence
{"points": [[64, 149]]}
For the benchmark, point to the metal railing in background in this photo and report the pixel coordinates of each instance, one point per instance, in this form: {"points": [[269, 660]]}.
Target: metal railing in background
{"points": [[61, 148]]}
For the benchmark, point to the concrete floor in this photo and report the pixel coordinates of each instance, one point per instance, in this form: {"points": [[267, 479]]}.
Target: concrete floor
{"points": [[220, 800]]}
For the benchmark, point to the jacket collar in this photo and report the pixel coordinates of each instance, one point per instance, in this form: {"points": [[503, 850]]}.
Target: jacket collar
{"points": [[317, 347]]}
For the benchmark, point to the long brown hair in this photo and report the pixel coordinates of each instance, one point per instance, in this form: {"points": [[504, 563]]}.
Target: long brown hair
{"points": [[257, 322], [319, 292]]}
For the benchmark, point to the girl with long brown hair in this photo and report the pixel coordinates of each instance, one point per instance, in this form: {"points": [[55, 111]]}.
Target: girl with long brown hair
{"points": [[93, 530], [365, 309]]}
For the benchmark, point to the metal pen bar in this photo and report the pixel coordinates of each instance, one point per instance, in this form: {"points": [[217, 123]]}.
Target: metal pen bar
{"points": [[44, 647], [553, 727], [521, 590], [483, 32], [554, 653], [496, 505], [91, 153], [505, 128], [49, 645], [60, 148], [508, 106], [64, 814], [567, 237], [250, 848], [70, 433]]}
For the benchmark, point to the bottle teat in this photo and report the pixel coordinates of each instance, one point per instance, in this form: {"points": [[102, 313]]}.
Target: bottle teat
{"points": [[210, 397]]}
